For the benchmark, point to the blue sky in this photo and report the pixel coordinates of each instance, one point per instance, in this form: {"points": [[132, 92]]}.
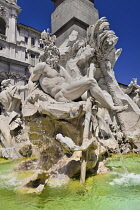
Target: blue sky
{"points": [[124, 18]]}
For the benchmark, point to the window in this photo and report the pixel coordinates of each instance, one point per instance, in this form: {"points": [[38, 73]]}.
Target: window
{"points": [[32, 55], [26, 55], [41, 45], [26, 39], [33, 59], [2, 26], [32, 41]]}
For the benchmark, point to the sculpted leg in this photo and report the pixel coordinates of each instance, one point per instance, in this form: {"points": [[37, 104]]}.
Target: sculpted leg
{"points": [[98, 94], [75, 89]]}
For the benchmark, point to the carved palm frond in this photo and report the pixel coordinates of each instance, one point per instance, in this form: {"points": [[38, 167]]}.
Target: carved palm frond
{"points": [[101, 38]]}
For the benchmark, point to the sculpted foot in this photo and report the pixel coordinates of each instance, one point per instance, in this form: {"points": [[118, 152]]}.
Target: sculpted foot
{"points": [[64, 100]]}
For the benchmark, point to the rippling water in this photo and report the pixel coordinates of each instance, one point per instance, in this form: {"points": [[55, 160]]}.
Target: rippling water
{"points": [[113, 191]]}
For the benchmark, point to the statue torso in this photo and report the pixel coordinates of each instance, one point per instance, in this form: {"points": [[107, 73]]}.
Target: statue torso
{"points": [[52, 80]]}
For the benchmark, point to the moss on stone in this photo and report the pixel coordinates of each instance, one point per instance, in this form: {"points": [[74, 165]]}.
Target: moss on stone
{"points": [[43, 131]]}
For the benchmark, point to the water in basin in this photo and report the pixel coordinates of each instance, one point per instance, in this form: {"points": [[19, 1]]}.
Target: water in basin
{"points": [[113, 191]]}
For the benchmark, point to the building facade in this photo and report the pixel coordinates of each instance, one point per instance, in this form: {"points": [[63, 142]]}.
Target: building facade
{"points": [[19, 44]]}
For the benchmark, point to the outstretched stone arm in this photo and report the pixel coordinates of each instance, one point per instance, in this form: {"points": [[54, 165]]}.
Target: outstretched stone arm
{"points": [[37, 71], [66, 75], [23, 88]]}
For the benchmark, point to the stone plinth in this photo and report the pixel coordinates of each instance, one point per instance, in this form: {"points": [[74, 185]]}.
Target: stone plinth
{"points": [[73, 15]]}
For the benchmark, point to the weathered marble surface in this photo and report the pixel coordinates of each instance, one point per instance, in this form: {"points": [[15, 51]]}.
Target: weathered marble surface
{"points": [[75, 111], [10, 119], [133, 91]]}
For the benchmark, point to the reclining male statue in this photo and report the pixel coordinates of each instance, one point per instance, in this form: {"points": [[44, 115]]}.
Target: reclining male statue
{"points": [[55, 81]]}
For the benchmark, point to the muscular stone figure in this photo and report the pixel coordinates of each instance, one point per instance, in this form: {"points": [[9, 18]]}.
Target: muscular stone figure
{"points": [[11, 100], [55, 81], [10, 96]]}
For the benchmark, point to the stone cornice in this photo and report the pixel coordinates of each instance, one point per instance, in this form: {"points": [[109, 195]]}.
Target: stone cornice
{"points": [[71, 22], [9, 4], [17, 44], [32, 51], [9, 75], [13, 61], [20, 25]]}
